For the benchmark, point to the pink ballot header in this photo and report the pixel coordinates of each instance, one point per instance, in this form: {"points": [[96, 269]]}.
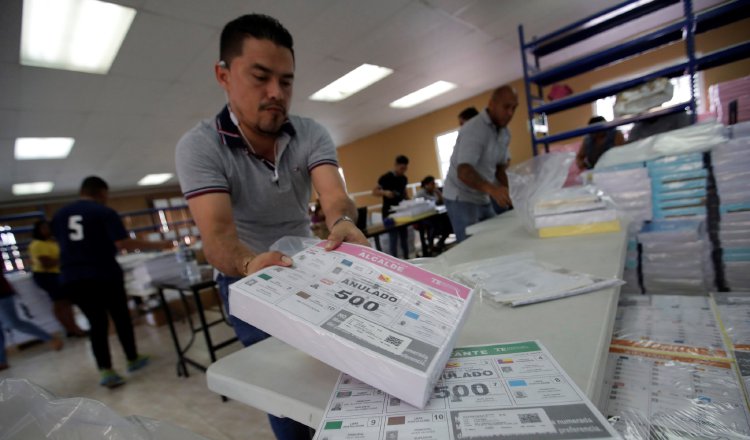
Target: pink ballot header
{"points": [[436, 282]]}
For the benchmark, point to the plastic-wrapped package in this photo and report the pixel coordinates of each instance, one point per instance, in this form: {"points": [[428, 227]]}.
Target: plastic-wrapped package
{"points": [[642, 98], [696, 138], [734, 312], [534, 179], [387, 322], [27, 411], [520, 279], [676, 256], [676, 323], [635, 152], [740, 130], [663, 396]]}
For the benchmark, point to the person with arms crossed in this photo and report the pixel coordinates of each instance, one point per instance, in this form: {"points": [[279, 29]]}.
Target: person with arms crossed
{"points": [[478, 163], [392, 188], [90, 235], [247, 173]]}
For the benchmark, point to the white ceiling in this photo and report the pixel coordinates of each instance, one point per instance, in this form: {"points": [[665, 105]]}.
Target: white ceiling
{"points": [[126, 123]]}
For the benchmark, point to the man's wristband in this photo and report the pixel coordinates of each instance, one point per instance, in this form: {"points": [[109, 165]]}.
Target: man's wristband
{"points": [[343, 218]]}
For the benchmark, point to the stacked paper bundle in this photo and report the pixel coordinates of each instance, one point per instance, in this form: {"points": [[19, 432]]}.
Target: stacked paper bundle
{"points": [[675, 257], [408, 209], [679, 186], [384, 321], [142, 269], [731, 164], [574, 210], [630, 189], [722, 94]]}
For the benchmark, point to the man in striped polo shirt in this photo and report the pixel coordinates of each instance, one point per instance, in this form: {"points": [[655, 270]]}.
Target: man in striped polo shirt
{"points": [[247, 174]]}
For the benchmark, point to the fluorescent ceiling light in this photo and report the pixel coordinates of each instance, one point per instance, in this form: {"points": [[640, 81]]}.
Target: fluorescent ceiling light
{"points": [[78, 35], [22, 189], [351, 83], [155, 179], [43, 148], [421, 95]]}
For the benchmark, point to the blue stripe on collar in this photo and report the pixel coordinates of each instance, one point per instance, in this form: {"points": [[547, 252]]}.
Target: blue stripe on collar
{"points": [[230, 134]]}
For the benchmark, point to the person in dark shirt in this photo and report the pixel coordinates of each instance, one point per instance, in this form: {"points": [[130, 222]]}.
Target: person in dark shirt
{"points": [[596, 144], [90, 235], [392, 187], [9, 320]]}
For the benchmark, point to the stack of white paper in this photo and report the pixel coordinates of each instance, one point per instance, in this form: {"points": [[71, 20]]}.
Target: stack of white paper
{"points": [[412, 208], [486, 392], [630, 189], [519, 279], [382, 320], [142, 269], [675, 257], [731, 165], [572, 206]]}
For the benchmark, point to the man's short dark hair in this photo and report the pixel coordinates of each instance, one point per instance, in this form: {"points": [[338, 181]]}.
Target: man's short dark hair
{"points": [[258, 26], [427, 180], [468, 113], [596, 120], [93, 185], [402, 160]]}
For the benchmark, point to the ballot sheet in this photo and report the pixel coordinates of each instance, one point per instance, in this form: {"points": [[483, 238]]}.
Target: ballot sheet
{"points": [[382, 320], [497, 391]]}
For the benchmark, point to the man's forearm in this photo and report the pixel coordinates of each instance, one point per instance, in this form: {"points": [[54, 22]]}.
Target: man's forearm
{"points": [[228, 254], [338, 208], [469, 176], [502, 176]]}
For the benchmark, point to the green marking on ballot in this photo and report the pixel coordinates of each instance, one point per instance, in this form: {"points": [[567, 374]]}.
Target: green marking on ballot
{"points": [[264, 276], [494, 350], [334, 425]]}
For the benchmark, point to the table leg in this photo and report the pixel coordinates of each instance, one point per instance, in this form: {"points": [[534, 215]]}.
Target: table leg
{"points": [[181, 367], [204, 325]]}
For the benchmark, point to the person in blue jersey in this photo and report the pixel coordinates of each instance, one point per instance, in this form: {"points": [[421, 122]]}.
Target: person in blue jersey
{"points": [[90, 235], [248, 172]]}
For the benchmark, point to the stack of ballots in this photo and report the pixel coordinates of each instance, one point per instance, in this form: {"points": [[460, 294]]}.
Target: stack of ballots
{"points": [[723, 94], [629, 186], [675, 257], [679, 186], [572, 211], [142, 269], [731, 165]]}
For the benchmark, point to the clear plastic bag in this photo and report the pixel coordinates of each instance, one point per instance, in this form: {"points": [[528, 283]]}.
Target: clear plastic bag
{"points": [[28, 411]]}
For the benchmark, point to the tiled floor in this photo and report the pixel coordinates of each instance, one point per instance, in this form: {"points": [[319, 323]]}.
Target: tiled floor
{"points": [[155, 392]]}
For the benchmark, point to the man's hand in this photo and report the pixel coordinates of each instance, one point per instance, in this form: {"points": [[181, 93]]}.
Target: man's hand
{"points": [[501, 195], [345, 231], [265, 259]]}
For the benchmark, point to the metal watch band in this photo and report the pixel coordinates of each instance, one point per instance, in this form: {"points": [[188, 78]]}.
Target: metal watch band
{"points": [[343, 218]]}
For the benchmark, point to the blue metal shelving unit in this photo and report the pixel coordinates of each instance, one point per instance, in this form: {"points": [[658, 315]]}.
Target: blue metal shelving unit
{"points": [[684, 29]]}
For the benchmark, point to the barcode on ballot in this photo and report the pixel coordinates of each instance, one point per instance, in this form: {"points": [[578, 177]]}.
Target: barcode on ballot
{"points": [[396, 342], [529, 418]]}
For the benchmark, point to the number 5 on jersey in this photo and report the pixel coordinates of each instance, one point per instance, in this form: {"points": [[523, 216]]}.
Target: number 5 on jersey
{"points": [[75, 227]]}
